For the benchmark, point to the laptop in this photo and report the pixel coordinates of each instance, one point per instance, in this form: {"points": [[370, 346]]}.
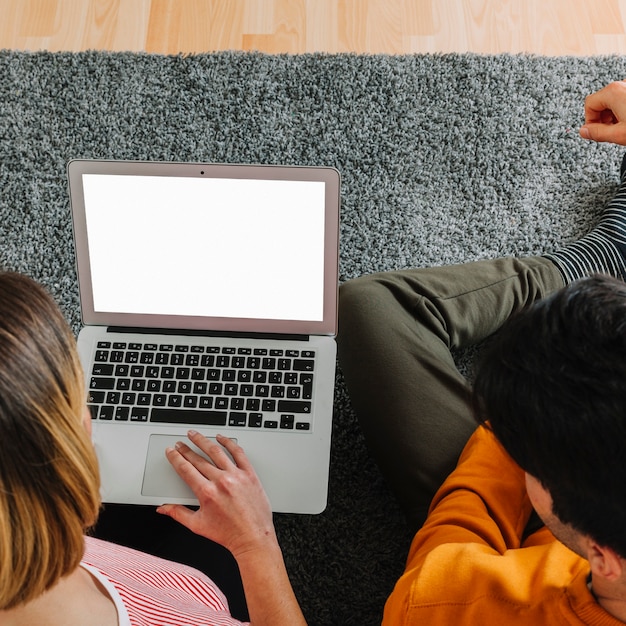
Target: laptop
{"points": [[209, 301]]}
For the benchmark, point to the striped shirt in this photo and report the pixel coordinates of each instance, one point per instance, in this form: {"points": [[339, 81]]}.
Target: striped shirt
{"points": [[149, 591]]}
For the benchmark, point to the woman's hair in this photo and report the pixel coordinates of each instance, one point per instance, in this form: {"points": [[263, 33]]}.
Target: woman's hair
{"points": [[552, 385], [49, 481]]}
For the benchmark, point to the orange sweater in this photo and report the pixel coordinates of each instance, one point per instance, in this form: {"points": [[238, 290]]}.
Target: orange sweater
{"points": [[469, 566]]}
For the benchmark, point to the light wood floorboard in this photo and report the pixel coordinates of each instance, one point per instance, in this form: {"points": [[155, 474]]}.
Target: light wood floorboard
{"points": [[552, 27]]}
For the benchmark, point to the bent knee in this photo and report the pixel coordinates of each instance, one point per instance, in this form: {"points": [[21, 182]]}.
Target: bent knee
{"points": [[362, 295]]}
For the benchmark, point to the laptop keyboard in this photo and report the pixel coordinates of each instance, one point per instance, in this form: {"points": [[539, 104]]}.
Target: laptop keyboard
{"points": [[198, 385]]}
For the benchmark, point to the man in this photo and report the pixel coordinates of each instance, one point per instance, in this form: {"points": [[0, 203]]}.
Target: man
{"points": [[551, 395]]}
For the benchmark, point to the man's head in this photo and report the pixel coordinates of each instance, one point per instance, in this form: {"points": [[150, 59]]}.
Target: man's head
{"points": [[552, 385]]}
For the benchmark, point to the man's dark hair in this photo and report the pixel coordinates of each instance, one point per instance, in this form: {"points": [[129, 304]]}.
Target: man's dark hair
{"points": [[552, 387]]}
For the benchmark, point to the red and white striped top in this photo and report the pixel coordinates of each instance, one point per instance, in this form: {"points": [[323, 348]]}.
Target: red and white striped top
{"points": [[149, 591]]}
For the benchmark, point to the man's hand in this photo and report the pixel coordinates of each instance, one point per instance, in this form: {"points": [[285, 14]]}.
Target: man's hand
{"points": [[605, 114], [234, 510]]}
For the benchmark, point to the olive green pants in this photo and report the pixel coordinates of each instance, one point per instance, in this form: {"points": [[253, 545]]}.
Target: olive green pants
{"points": [[396, 334]]}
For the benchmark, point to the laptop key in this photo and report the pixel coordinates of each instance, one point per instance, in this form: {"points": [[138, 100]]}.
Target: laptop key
{"points": [[277, 391], [303, 365], [117, 356], [291, 378], [190, 402], [189, 416], [113, 397], [237, 404], [159, 399], [200, 388], [139, 384], [175, 400], [154, 385], [294, 406], [184, 386], [106, 412], [102, 369], [206, 402], [122, 413], [237, 419], [132, 357], [306, 381], [287, 421], [276, 378], [95, 397], [221, 403], [255, 420], [198, 373], [144, 399], [139, 414], [102, 382]]}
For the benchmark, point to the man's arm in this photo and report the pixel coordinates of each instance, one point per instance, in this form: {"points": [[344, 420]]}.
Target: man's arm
{"points": [[235, 512], [469, 564], [483, 501], [605, 114], [478, 514]]}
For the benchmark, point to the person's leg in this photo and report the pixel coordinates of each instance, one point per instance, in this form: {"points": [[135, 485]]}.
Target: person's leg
{"points": [[396, 331], [603, 250]]}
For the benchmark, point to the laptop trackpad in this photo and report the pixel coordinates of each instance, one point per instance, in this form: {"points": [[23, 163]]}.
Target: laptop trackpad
{"points": [[159, 478]]}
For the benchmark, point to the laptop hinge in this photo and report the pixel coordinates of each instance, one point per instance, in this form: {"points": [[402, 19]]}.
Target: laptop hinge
{"points": [[205, 333]]}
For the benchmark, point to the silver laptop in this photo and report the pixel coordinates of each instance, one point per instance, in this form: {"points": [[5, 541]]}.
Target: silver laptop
{"points": [[209, 301]]}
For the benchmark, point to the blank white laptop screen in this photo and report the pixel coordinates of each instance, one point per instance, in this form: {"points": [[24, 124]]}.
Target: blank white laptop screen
{"points": [[210, 247]]}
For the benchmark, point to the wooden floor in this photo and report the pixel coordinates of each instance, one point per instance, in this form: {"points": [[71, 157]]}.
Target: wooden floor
{"points": [[552, 27]]}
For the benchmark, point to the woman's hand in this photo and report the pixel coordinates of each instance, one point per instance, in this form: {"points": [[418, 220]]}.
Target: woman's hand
{"points": [[234, 509], [235, 512]]}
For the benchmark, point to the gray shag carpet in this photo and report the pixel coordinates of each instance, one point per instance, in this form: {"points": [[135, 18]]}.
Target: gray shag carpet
{"points": [[444, 159]]}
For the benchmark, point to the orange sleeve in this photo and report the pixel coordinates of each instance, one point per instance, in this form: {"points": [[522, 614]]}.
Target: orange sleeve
{"points": [[483, 501], [465, 565]]}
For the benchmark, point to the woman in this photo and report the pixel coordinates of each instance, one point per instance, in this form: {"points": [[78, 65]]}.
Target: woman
{"points": [[51, 573]]}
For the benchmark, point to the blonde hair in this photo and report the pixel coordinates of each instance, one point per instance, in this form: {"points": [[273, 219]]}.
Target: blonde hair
{"points": [[49, 481]]}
